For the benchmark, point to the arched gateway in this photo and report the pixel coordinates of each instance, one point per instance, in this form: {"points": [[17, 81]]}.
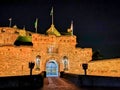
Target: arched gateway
{"points": [[51, 68]]}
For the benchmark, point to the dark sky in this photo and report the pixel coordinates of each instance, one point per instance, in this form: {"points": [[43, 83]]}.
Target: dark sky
{"points": [[96, 22]]}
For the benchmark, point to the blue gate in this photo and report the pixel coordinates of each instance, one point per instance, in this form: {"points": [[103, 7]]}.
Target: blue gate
{"points": [[52, 69]]}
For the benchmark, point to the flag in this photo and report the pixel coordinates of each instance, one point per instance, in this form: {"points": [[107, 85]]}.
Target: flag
{"points": [[71, 27], [51, 13], [36, 22], [10, 22]]}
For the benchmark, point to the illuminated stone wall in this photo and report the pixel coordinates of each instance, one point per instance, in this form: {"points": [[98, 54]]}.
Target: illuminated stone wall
{"points": [[65, 46], [14, 59], [7, 36], [106, 67]]}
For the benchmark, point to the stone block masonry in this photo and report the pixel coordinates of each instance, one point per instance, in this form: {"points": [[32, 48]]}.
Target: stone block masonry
{"points": [[14, 60]]}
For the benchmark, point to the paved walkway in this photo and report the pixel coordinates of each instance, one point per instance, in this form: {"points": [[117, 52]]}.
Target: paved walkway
{"points": [[56, 83]]}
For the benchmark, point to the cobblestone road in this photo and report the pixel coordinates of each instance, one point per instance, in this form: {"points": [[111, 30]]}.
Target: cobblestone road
{"points": [[56, 83]]}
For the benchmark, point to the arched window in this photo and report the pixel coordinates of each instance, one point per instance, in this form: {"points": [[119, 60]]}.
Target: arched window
{"points": [[38, 62], [65, 63]]}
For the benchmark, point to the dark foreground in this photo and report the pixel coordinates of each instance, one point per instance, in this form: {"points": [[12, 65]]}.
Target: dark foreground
{"points": [[21, 82], [64, 82], [55, 83]]}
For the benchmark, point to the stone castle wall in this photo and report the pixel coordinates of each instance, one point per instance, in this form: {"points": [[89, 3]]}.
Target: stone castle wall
{"points": [[14, 59], [106, 67], [7, 36]]}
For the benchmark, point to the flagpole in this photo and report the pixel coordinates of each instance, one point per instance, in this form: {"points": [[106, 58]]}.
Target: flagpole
{"points": [[72, 27], [52, 19], [37, 25], [51, 13], [36, 29], [52, 22], [10, 19]]}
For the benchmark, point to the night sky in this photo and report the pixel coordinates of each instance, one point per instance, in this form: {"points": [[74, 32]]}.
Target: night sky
{"points": [[96, 22]]}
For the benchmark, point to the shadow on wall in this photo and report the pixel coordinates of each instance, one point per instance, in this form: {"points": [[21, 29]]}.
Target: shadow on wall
{"points": [[18, 43]]}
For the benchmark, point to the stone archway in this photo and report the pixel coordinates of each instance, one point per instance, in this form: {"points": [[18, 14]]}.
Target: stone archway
{"points": [[51, 68]]}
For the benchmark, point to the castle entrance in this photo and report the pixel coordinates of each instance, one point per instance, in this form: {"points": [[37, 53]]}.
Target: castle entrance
{"points": [[52, 69]]}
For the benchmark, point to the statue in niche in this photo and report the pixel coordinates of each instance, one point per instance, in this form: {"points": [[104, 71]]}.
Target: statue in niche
{"points": [[65, 63], [38, 62]]}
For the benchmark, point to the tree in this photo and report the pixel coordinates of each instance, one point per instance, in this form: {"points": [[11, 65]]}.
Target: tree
{"points": [[97, 55]]}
